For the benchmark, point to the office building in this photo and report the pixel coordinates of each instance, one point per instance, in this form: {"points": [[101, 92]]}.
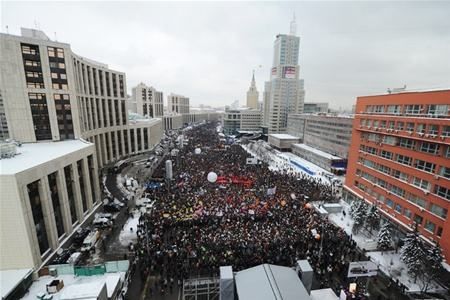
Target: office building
{"points": [[243, 120], [314, 108], [69, 115], [177, 104], [252, 94], [147, 100], [284, 93], [399, 161], [50, 93], [328, 133]]}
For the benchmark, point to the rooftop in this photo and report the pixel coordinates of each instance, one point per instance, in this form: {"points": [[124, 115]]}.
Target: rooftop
{"points": [[283, 136], [316, 151], [270, 282], [34, 154], [10, 279]]}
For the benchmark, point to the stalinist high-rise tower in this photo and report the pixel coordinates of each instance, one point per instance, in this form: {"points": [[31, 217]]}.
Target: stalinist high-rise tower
{"points": [[252, 94], [284, 93]]}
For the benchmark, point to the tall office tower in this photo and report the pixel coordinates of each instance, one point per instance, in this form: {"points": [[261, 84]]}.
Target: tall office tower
{"points": [[149, 102], [399, 161], [252, 94], [177, 104], [284, 93], [50, 93]]}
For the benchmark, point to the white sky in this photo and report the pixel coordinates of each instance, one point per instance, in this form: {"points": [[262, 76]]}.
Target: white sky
{"points": [[207, 50]]}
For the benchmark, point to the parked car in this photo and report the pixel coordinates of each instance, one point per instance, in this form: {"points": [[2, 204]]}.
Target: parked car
{"points": [[102, 223], [111, 207], [62, 256], [79, 236], [90, 241]]}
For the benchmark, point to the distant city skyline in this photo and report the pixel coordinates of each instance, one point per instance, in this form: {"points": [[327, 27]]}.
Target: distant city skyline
{"points": [[207, 51]]}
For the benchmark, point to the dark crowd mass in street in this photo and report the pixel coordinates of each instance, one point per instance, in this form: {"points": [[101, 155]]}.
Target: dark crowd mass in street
{"points": [[250, 215]]}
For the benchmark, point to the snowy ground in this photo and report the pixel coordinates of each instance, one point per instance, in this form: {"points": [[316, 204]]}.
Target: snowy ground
{"points": [[128, 233], [389, 262], [39, 286]]}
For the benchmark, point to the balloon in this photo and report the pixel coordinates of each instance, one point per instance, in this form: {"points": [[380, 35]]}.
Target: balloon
{"points": [[197, 151], [212, 177], [317, 236]]}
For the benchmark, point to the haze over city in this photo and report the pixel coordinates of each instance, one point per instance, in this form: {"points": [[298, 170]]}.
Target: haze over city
{"points": [[208, 50]]}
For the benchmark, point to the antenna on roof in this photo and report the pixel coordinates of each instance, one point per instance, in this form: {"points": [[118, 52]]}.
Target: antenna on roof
{"points": [[293, 28], [56, 39], [7, 29]]}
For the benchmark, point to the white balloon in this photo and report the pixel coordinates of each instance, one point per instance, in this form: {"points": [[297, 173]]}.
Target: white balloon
{"points": [[197, 151], [212, 177]]}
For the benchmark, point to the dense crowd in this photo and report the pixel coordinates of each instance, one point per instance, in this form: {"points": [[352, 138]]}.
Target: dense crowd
{"points": [[196, 226]]}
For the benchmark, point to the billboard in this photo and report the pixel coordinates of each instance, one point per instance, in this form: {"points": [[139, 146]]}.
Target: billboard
{"points": [[362, 269], [289, 72]]}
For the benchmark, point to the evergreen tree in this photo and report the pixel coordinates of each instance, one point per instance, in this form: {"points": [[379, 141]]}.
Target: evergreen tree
{"points": [[373, 218], [433, 266], [384, 238], [413, 254], [354, 207], [359, 216]]}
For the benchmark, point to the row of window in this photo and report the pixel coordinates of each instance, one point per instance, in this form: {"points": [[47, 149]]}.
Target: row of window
{"points": [[404, 211], [419, 128], [409, 109]]}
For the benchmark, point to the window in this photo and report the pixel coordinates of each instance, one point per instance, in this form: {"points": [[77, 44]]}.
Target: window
{"points": [[386, 154], [398, 208], [384, 169], [59, 52], [446, 130], [429, 226], [445, 172], [418, 219], [391, 125], [389, 203], [54, 75], [433, 129], [420, 128], [429, 148], [413, 109], [437, 210], [442, 191], [383, 124], [407, 213], [390, 140], [376, 123], [32, 63], [407, 143], [400, 175], [438, 109], [447, 152], [425, 166], [393, 109], [397, 191], [403, 159], [400, 125], [35, 85], [421, 183], [51, 51], [416, 200], [410, 126], [439, 231]]}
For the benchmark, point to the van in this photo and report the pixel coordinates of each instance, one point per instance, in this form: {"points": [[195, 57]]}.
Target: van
{"points": [[90, 241]]}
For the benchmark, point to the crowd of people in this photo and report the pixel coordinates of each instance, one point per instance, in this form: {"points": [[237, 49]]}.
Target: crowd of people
{"points": [[196, 226]]}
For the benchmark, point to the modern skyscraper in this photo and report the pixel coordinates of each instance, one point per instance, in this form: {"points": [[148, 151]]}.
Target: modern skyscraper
{"points": [[399, 161], [284, 93], [252, 94], [149, 101]]}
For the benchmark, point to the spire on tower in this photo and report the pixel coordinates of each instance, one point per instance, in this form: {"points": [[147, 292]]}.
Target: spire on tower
{"points": [[253, 77], [293, 30]]}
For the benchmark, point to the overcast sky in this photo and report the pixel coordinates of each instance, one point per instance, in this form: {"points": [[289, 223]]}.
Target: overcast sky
{"points": [[207, 51]]}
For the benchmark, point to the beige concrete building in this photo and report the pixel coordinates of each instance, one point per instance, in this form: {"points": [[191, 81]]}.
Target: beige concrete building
{"points": [[252, 94], [282, 141], [48, 189], [50, 93], [148, 102], [241, 120], [177, 104], [171, 122]]}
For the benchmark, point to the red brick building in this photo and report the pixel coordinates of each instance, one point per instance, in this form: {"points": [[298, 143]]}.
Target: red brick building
{"points": [[399, 159]]}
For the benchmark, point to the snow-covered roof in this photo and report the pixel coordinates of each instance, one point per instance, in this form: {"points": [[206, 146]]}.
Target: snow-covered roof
{"points": [[323, 294], [86, 290], [283, 136], [316, 151], [10, 279], [270, 282], [34, 154]]}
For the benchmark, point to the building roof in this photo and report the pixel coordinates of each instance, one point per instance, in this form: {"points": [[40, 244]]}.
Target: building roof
{"points": [[270, 282], [89, 290], [283, 136], [317, 151], [10, 279], [323, 294], [34, 154]]}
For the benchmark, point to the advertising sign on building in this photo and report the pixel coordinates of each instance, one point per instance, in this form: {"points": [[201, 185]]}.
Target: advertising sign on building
{"points": [[362, 269], [289, 72]]}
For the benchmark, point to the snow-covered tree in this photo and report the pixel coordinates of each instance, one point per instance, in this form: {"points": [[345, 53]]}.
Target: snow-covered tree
{"points": [[433, 266], [413, 254], [354, 207], [384, 238], [373, 218], [359, 217]]}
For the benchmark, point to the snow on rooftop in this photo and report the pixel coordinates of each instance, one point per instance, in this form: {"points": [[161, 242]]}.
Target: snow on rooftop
{"points": [[34, 154], [283, 136], [82, 291], [9, 279], [323, 294], [316, 151]]}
